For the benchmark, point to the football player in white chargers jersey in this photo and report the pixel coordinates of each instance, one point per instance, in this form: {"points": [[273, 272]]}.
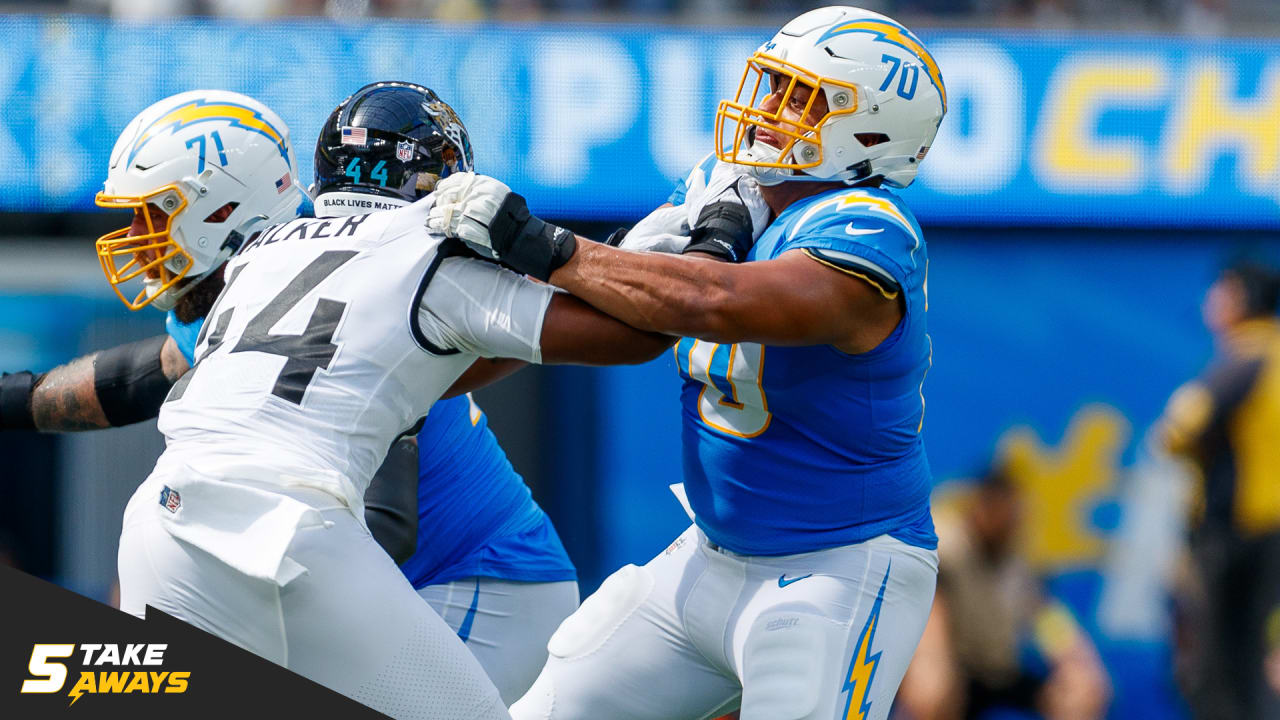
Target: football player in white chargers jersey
{"points": [[804, 585], [331, 337]]}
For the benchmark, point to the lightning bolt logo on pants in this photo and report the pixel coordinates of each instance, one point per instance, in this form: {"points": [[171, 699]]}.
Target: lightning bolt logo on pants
{"points": [[862, 667]]}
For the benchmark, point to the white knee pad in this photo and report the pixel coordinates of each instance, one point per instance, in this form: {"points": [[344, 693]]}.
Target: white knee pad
{"points": [[582, 633], [786, 662], [600, 615]]}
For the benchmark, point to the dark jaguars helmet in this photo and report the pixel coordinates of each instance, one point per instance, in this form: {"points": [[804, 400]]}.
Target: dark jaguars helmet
{"points": [[390, 139]]}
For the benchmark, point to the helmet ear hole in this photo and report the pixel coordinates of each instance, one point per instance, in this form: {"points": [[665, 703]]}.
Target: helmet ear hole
{"points": [[222, 213], [871, 139]]}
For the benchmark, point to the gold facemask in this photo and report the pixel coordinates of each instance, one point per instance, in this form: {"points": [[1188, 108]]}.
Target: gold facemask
{"points": [[124, 257], [743, 113]]}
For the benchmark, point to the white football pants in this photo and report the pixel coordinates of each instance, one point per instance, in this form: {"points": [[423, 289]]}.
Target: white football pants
{"points": [[351, 622], [505, 624], [699, 631]]}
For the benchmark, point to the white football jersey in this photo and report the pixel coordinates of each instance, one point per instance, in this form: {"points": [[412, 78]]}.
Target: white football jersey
{"points": [[334, 336]]}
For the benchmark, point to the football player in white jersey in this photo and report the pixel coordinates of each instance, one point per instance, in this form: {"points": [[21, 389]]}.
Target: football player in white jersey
{"points": [[446, 505], [803, 587], [330, 339]]}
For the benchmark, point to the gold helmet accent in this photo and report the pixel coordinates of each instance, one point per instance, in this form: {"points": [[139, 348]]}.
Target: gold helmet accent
{"points": [[744, 114], [126, 257]]}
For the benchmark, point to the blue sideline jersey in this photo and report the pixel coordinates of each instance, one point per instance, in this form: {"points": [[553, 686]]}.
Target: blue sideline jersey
{"points": [[476, 517], [795, 449]]}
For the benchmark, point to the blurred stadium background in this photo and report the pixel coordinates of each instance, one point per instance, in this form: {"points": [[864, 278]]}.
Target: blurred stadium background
{"points": [[1101, 160]]}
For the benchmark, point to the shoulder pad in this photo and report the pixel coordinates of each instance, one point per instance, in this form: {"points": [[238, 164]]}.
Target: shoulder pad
{"points": [[856, 220]]}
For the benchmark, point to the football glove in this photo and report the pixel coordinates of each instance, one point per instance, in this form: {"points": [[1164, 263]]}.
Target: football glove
{"points": [[495, 222], [663, 230], [728, 216], [464, 206]]}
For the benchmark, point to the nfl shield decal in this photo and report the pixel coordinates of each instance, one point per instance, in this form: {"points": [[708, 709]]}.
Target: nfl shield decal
{"points": [[404, 151], [170, 499]]}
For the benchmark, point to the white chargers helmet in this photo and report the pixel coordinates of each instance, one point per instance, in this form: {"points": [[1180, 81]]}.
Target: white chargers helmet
{"points": [[884, 93], [201, 170]]}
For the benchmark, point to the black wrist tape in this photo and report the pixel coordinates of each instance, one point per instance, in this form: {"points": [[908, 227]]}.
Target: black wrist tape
{"points": [[723, 230], [130, 383], [525, 243], [15, 401]]}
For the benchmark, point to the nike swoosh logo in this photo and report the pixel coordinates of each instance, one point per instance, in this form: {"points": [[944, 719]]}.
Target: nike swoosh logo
{"points": [[783, 581], [862, 231]]}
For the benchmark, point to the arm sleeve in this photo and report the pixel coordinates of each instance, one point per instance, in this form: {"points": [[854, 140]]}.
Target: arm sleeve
{"points": [[480, 308], [130, 382], [391, 502]]}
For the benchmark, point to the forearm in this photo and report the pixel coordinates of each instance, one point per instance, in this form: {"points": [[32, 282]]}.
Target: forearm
{"points": [[671, 294], [576, 333], [115, 387], [65, 399]]}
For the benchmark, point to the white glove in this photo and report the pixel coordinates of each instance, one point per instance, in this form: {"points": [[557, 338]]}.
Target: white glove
{"points": [[667, 229], [729, 182], [663, 230], [464, 206]]}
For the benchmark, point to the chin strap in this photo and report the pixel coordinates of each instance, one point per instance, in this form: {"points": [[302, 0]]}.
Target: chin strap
{"points": [[769, 176]]}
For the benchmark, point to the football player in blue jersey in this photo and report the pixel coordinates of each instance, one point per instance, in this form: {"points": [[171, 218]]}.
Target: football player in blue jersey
{"points": [[447, 504], [804, 585]]}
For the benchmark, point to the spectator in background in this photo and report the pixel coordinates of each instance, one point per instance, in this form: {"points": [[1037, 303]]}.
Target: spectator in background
{"points": [[1205, 18], [994, 641], [241, 9], [1227, 423]]}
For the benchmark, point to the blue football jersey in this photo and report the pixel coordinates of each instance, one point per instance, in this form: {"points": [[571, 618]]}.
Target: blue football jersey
{"points": [[795, 449], [476, 516]]}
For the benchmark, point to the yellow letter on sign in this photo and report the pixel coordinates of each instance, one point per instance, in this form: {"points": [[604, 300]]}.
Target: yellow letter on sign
{"points": [[1069, 155], [1211, 120]]}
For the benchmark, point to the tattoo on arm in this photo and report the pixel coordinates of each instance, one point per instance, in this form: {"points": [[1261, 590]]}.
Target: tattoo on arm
{"points": [[65, 400]]}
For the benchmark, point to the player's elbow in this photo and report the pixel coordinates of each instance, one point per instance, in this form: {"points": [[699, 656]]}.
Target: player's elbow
{"points": [[634, 347], [647, 346]]}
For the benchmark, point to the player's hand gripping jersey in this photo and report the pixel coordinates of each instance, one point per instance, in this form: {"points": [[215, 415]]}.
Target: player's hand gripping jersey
{"points": [[332, 337], [793, 449]]}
